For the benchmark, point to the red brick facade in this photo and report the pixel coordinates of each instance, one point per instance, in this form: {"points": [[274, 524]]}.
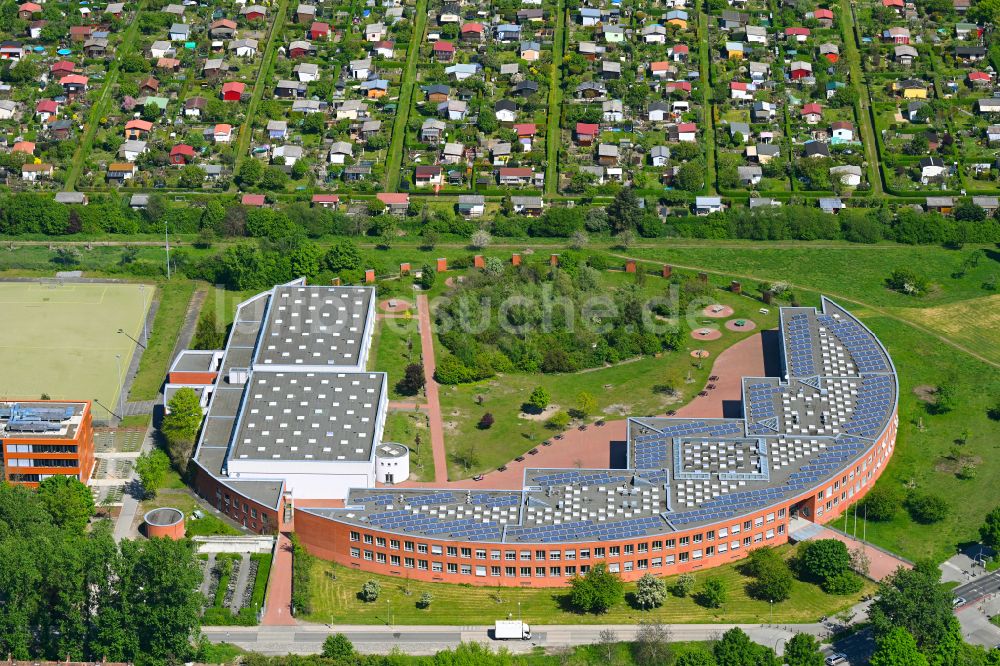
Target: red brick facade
{"points": [[551, 565]]}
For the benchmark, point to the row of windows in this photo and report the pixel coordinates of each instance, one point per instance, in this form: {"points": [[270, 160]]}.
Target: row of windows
{"points": [[655, 545], [43, 462], [568, 570], [41, 448]]}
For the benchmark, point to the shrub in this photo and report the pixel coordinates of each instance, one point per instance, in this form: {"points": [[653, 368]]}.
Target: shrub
{"points": [[683, 585], [713, 593], [370, 591], [650, 592], [845, 582], [425, 600], [881, 503], [907, 281], [486, 422], [539, 399], [926, 508], [558, 421], [597, 590], [338, 646]]}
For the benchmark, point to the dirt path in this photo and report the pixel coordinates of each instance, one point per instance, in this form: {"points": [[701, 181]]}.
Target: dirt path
{"points": [[431, 390]]}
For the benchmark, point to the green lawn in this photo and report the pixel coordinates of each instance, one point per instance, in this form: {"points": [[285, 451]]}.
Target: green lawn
{"points": [[396, 345], [174, 298], [335, 600], [180, 498], [625, 389], [404, 427]]}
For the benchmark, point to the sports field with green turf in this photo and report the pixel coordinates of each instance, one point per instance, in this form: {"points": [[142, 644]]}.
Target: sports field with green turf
{"points": [[63, 339]]}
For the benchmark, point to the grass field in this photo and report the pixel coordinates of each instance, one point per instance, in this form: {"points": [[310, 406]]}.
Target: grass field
{"points": [[625, 389], [174, 299], [63, 340], [396, 345], [178, 497], [335, 600], [404, 427], [975, 323]]}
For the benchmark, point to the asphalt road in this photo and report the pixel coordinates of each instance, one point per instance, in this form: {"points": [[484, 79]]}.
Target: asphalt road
{"points": [[978, 588], [308, 639]]}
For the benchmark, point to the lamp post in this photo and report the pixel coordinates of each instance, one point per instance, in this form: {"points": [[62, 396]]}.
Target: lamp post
{"points": [[145, 332], [121, 385], [772, 611], [122, 331], [388, 612], [106, 408]]}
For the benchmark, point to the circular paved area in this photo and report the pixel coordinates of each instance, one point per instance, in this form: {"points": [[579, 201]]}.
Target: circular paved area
{"points": [[718, 311], [734, 325], [700, 353], [706, 333], [395, 305]]}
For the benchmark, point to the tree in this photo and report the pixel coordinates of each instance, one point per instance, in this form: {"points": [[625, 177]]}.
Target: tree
{"points": [[338, 646], [650, 592], [773, 578], [273, 179], [926, 507], [427, 277], [913, 599], [152, 468], [558, 421], [538, 400], [945, 398], [691, 176], [192, 176], [624, 211], [597, 590], [180, 426], [370, 591], [881, 503], [803, 650], [824, 558], [652, 644], [480, 239], [209, 334], [425, 600], [736, 649], [578, 239], [608, 641], [250, 173], [625, 239], [486, 422], [343, 255], [897, 648], [413, 380], [683, 586], [68, 501], [586, 404], [713, 593], [989, 531], [907, 281]]}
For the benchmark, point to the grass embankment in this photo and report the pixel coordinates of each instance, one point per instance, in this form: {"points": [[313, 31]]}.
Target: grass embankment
{"points": [[174, 299], [335, 589]]}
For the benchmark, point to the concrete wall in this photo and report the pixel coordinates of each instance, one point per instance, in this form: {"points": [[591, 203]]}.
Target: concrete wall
{"points": [[234, 544]]}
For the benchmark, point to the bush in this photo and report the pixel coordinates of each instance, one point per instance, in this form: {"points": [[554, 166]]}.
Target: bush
{"points": [[425, 600], [683, 585], [301, 579], [486, 422], [370, 591], [881, 503], [823, 559], [412, 380], [907, 281], [926, 508], [845, 582], [538, 400], [650, 592], [597, 590], [338, 646], [713, 593], [558, 421]]}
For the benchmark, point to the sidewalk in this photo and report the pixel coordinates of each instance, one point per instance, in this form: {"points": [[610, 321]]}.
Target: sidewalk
{"points": [[279, 587]]}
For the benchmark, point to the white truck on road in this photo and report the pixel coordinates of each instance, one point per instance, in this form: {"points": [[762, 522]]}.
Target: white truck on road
{"points": [[511, 629]]}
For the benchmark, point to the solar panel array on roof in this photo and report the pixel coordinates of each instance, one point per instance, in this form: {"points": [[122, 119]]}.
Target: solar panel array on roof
{"points": [[799, 351], [865, 352], [872, 407]]}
